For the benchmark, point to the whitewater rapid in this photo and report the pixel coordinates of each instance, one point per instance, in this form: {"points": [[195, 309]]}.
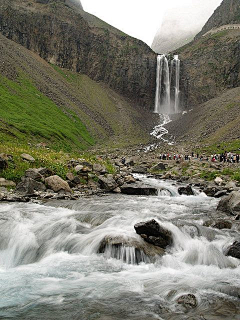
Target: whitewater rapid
{"points": [[50, 267]]}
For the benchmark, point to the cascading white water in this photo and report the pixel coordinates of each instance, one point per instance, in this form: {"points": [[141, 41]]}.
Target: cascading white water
{"points": [[51, 268], [177, 78], [164, 104]]}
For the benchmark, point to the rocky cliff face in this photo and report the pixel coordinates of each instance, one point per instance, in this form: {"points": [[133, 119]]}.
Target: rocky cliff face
{"points": [[70, 38], [227, 13]]}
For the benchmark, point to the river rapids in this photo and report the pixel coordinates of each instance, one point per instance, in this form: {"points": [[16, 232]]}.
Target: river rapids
{"points": [[51, 268]]}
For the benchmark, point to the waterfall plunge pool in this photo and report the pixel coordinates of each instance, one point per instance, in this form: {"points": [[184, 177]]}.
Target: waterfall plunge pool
{"points": [[50, 268]]}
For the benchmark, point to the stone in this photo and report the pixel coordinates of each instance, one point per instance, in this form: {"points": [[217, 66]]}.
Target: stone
{"points": [[117, 190], [78, 168], [230, 204], [129, 179], [129, 162], [234, 250], [99, 168], [45, 172], [188, 301], [159, 167], [139, 169], [222, 224], [218, 181], [220, 193], [27, 157], [231, 186], [7, 183], [139, 189], [144, 252], [70, 176], [56, 184], [107, 183], [29, 186], [188, 191], [33, 174], [153, 233]]}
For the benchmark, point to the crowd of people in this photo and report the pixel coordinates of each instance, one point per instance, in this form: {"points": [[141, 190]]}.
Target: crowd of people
{"points": [[223, 157]]}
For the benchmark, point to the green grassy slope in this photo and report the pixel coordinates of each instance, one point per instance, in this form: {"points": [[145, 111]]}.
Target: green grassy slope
{"points": [[69, 111]]}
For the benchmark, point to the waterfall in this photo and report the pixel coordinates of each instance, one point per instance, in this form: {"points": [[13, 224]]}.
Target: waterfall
{"points": [[177, 74], [164, 103]]}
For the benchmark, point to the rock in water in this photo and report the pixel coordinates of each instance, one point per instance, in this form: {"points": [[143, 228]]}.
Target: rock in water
{"points": [[188, 301], [138, 189], [188, 191], [234, 250], [28, 186], [231, 203], [153, 233]]}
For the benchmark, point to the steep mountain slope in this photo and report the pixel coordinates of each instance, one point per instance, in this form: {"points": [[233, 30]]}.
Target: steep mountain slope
{"points": [[209, 66], [41, 102], [227, 13], [70, 38], [213, 122]]}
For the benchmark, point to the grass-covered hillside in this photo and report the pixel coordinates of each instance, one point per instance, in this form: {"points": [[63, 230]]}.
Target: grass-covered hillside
{"points": [[42, 103]]}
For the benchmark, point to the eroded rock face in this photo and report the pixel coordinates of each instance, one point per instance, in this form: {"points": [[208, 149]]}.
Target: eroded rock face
{"points": [[153, 233], [89, 46]]}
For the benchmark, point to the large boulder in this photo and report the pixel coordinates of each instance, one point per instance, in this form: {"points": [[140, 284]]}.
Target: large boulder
{"points": [[188, 191], [117, 247], [97, 167], [234, 250], [160, 166], [153, 233], [230, 204], [57, 184], [139, 189], [29, 186], [107, 183]]}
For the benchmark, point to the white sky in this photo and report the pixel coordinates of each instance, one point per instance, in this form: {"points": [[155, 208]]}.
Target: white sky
{"points": [[138, 18]]}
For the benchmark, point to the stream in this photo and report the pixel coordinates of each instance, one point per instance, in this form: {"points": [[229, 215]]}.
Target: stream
{"points": [[50, 267]]}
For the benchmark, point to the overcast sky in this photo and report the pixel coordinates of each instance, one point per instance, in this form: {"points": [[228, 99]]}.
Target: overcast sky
{"points": [[138, 18]]}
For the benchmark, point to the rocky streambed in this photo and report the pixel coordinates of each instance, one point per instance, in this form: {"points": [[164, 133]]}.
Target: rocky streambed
{"points": [[117, 256]]}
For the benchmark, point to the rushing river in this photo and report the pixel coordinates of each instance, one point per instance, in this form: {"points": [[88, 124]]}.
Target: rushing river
{"points": [[50, 267]]}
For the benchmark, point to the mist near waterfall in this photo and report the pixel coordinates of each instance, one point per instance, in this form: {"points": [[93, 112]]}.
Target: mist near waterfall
{"points": [[181, 23]]}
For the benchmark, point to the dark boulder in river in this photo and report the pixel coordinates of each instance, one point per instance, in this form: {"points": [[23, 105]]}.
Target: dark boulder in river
{"points": [[188, 191], [139, 189], [234, 250], [153, 233], [230, 204]]}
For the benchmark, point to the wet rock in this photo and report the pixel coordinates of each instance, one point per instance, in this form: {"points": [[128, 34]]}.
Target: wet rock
{"points": [[107, 183], [222, 224], [129, 179], [33, 174], [27, 157], [230, 204], [117, 190], [7, 183], [188, 191], [56, 184], [29, 186], [188, 301], [160, 166], [220, 193], [116, 247], [211, 190], [234, 250], [153, 233], [139, 169], [139, 189]]}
